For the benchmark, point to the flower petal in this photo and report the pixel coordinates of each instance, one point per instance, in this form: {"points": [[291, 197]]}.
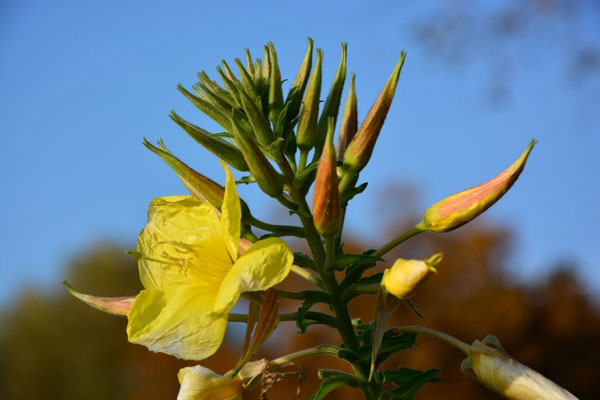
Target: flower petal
{"points": [[231, 215], [200, 383], [178, 323], [264, 265], [181, 231]]}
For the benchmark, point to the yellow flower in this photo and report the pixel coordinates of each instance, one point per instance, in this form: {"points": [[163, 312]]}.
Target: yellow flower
{"points": [[200, 383], [406, 276], [193, 276]]}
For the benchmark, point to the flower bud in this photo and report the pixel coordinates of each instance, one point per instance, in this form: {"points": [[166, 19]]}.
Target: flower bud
{"points": [[359, 150], [258, 122], [349, 121], [267, 178], [206, 107], [219, 147], [246, 79], [406, 276], [111, 305], [201, 187], [462, 207], [499, 372], [275, 91], [332, 103], [300, 81], [327, 212], [309, 111]]}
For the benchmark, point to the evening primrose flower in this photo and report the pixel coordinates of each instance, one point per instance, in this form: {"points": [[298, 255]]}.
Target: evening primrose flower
{"points": [[200, 383], [407, 276], [192, 274]]}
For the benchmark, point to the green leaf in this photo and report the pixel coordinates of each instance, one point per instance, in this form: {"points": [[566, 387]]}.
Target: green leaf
{"points": [[409, 381], [355, 271], [391, 344], [304, 261], [333, 380], [351, 192], [246, 180], [312, 297], [341, 262]]}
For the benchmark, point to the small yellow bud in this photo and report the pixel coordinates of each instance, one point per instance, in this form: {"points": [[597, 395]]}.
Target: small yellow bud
{"points": [[499, 372], [462, 207], [406, 276]]}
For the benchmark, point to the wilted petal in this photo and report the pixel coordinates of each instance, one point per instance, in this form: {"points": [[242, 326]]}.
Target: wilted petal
{"points": [[200, 383], [112, 305]]}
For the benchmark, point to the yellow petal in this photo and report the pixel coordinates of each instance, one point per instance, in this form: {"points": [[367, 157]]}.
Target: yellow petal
{"points": [[264, 265], [180, 231], [200, 383], [231, 214], [179, 323]]}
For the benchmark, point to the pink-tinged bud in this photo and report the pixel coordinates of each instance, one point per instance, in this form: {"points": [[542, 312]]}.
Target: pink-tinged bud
{"points": [[499, 372], [111, 305], [359, 150], [460, 208], [327, 212], [407, 276], [349, 121]]}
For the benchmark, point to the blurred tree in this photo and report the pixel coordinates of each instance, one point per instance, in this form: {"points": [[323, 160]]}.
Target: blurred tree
{"points": [[55, 347], [512, 35]]}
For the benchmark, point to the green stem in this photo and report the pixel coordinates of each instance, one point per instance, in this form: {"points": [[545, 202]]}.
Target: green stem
{"points": [[444, 337], [281, 230], [302, 161], [400, 239], [346, 181], [307, 275]]}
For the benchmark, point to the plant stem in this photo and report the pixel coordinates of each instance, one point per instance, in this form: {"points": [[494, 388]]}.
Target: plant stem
{"points": [[347, 179], [282, 230], [444, 337], [302, 161], [402, 238]]}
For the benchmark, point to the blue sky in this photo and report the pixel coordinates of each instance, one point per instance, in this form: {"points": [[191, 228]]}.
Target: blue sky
{"points": [[81, 83]]}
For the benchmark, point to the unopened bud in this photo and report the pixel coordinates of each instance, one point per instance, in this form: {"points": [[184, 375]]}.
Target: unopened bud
{"points": [[327, 212], [201, 187], [219, 147], [275, 90], [359, 150], [332, 103], [499, 372], [349, 121], [309, 111], [267, 178], [462, 207], [299, 84], [260, 125], [407, 276]]}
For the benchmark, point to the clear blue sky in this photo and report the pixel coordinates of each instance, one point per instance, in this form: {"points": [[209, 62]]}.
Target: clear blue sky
{"points": [[82, 82]]}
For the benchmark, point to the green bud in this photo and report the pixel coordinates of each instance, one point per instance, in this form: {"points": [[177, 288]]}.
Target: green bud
{"points": [[309, 111], [249, 64], [275, 91], [260, 125], [207, 108], [349, 121], [230, 86], [267, 178], [359, 150], [332, 103], [294, 97], [327, 212], [247, 83], [266, 69], [201, 187], [219, 147], [228, 72]]}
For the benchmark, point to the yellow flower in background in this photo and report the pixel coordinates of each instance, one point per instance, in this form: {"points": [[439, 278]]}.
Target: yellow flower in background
{"points": [[193, 276], [405, 277]]}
